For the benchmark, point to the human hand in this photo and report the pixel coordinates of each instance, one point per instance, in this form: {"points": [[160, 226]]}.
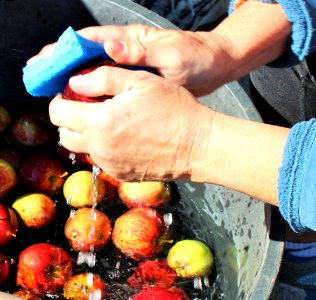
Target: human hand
{"points": [[152, 129], [193, 60]]}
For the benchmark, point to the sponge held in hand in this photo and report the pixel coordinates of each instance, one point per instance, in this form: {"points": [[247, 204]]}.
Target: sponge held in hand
{"points": [[46, 77]]}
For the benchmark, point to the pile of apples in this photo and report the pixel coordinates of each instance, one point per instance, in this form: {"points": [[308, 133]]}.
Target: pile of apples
{"points": [[52, 214]]}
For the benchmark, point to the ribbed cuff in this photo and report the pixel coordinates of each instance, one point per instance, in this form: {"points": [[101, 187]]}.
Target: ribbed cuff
{"points": [[293, 177]]}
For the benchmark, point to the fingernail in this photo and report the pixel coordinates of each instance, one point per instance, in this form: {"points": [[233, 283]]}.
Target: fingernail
{"points": [[117, 45]]}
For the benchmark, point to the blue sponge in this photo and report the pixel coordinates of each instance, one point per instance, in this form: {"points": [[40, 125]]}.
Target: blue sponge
{"points": [[47, 77]]}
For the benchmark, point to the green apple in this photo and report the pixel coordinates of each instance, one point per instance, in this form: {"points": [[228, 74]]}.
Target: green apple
{"points": [[190, 258]]}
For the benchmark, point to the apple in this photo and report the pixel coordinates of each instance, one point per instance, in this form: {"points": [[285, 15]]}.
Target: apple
{"points": [[33, 129], [43, 268], [13, 156], [152, 273], [69, 94], [36, 210], [155, 293], [4, 268], [141, 194], [84, 286], [190, 258], [8, 177], [141, 233], [79, 189], [111, 186], [26, 294], [43, 173], [5, 118], [8, 224], [87, 229]]}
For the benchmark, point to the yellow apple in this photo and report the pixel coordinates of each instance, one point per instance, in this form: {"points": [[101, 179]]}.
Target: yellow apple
{"points": [[36, 210], [80, 190], [144, 194]]}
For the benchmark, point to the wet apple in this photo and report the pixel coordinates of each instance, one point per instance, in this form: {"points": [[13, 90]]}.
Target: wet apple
{"points": [[152, 273], [8, 177], [144, 194], [190, 258], [36, 210], [155, 293], [43, 173], [43, 268], [33, 130], [88, 229], [84, 286], [141, 233], [4, 268], [8, 225], [79, 190]]}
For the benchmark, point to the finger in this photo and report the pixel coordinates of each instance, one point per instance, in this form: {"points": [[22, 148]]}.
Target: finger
{"points": [[134, 44], [72, 140], [44, 53], [70, 114], [107, 81]]}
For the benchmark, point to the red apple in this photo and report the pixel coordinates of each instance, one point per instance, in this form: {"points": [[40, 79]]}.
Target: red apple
{"points": [[144, 194], [33, 129], [26, 294], [69, 94], [153, 273], [111, 186], [8, 177], [8, 225], [36, 210], [84, 286], [4, 268], [43, 268], [13, 156], [80, 190], [43, 173], [159, 293], [5, 118], [141, 233], [88, 229]]}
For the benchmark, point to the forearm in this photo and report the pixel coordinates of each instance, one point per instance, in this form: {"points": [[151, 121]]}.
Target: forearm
{"points": [[254, 34], [242, 155]]}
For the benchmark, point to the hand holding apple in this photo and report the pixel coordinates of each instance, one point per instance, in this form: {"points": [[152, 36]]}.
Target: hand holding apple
{"points": [[164, 142]]}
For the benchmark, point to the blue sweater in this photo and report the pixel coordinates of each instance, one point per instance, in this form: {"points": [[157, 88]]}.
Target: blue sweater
{"points": [[297, 175]]}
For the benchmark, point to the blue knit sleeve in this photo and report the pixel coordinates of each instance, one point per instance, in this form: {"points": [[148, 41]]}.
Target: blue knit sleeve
{"points": [[302, 15], [297, 178]]}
